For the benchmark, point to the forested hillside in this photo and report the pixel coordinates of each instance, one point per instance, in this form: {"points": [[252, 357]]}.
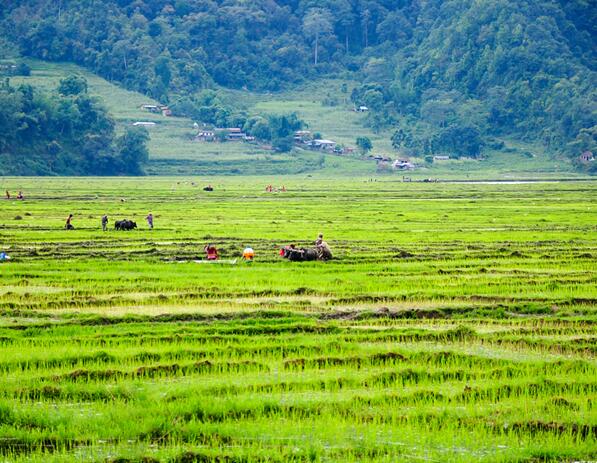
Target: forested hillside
{"points": [[446, 76], [64, 132]]}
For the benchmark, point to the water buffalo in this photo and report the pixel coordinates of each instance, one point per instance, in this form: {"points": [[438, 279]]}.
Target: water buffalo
{"points": [[300, 255], [125, 225]]}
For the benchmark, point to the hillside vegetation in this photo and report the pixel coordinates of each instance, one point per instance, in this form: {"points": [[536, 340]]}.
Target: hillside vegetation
{"points": [[64, 132], [439, 77], [172, 150]]}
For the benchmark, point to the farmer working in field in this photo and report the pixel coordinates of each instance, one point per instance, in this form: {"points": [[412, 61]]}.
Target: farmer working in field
{"points": [[68, 225], [211, 252], [149, 219], [287, 248], [323, 250], [248, 254], [319, 239], [104, 222]]}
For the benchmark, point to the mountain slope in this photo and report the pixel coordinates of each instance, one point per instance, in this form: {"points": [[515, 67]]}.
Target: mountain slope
{"points": [[523, 67], [172, 150], [445, 77]]}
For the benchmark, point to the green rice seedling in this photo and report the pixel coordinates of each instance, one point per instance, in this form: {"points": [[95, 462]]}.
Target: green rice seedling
{"points": [[456, 322]]}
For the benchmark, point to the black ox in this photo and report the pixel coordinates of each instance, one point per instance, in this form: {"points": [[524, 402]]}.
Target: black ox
{"points": [[303, 254], [125, 225]]}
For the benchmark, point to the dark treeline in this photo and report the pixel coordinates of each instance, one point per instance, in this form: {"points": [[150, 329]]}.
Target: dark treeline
{"points": [[154, 46], [65, 132], [446, 75], [469, 70]]}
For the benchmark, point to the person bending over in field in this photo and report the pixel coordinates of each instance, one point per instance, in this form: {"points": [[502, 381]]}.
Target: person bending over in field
{"points": [[285, 250], [211, 252], [69, 225], [248, 254]]}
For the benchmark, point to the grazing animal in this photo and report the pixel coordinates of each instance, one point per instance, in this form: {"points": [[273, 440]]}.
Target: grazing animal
{"points": [[208, 188], [125, 225]]}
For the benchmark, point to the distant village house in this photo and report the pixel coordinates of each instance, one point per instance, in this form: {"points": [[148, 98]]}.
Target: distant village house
{"points": [[157, 109], [221, 134], [402, 164], [144, 124], [587, 156], [441, 158], [233, 133], [205, 135], [301, 136], [6, 67], [304, 138], [324, 145]]}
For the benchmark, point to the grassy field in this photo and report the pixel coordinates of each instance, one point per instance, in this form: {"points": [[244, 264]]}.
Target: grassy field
{"points": [[455, 324]]}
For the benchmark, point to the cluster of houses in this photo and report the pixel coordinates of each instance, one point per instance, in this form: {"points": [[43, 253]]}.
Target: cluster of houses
{"points": [[157, 109], [223, 133], [403, 164], [7, 67], [587, 156], [304, 139]]}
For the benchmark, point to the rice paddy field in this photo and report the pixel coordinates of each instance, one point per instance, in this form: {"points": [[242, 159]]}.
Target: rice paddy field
{"points": [[456, 322]]}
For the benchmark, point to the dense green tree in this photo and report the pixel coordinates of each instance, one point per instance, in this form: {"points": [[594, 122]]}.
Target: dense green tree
{"points": [[162, 70], [317, 22], [42, 134], [132, 149], [364, 144], [283, 144], [22, 69], [73, 85], [259, 128]]}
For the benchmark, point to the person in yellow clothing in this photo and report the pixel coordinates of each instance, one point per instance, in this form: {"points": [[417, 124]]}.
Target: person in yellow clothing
{"points": [[248, 254]]}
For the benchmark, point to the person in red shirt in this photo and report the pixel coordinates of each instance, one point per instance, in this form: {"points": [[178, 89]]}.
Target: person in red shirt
{"points": [[211, 251]]}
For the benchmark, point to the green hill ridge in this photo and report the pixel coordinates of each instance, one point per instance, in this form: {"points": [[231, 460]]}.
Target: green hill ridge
{"points": [[462, 78]]}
